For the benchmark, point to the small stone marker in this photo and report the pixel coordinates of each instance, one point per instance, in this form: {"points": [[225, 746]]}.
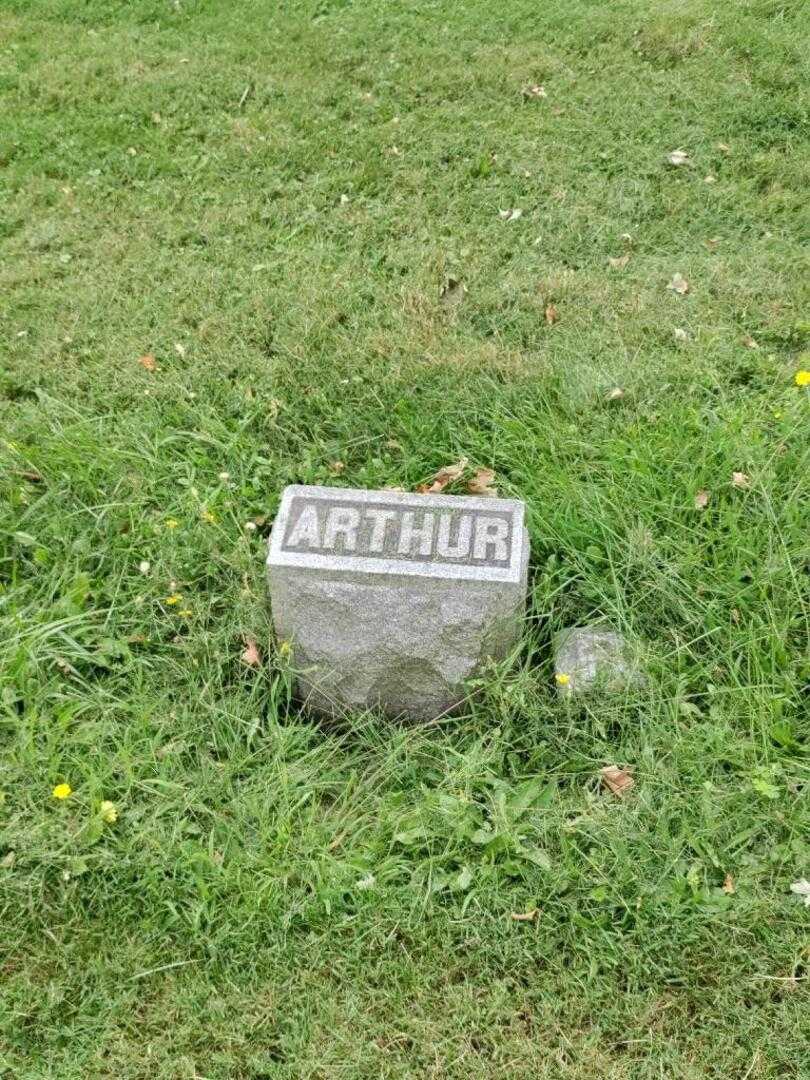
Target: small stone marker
{"points": [[395, 599], [586, 655]]}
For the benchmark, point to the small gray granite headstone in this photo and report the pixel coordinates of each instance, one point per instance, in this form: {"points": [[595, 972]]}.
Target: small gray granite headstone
{"points": [[394, 599], [588, 655]]}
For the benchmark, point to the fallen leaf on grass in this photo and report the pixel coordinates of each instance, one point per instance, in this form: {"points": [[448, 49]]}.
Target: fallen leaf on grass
{"points": [[481, 484], [678, 157], [510, 215], [680, 334], [740, 480], [552, 316], [619, 781], [452, 292], [802, 888], [251, 655], [728, 885], [749, 342], [620, 262], [446, 475], [337, 467], [148, 362], [724, 148], [616, 394], [701, 500], [679, 284], [525, 916], [8, 860], [534, 91]]}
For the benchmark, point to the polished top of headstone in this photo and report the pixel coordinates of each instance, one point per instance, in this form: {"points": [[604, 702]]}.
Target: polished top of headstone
{"points": [[391, 532]]}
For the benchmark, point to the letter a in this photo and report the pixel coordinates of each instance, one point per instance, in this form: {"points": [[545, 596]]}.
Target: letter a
{"points": [[307, 530]]}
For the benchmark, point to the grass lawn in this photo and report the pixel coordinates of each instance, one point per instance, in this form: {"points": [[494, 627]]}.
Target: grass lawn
{"points": [[271, 200]]}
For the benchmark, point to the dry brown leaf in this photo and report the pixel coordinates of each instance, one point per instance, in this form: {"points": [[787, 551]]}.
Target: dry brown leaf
{"points": [[616, 394], [525, 916], [712, 243], [728, 885], [148, 362], [749, 342], [740, 480], [446, 475], [251, 655], [619, 781], [620, 262], [337, 467], [534, 92], [481, 484], [679, 284], [678, 157], [510, 215], [701, 500], [552, 316]]}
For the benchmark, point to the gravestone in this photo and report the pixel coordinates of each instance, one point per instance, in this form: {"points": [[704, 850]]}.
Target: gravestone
{"points": [[394, 600]]}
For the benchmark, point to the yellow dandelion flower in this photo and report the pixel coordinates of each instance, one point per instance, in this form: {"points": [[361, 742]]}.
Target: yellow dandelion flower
{"points": [[108, 811], [208, 517], [803, 378], [562, 679], [61, 791], [172, 523], [174, 599]]}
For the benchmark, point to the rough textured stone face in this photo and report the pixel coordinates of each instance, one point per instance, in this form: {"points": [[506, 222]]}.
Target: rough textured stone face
{"points": [[394, 600], [588, 655]]}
